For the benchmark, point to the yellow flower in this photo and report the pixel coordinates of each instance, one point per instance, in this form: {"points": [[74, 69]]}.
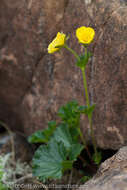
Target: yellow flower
{"points": [[85, 35], [57, 43]]}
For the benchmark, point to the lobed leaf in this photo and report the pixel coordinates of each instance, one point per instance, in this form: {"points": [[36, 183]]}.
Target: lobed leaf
{"points": [[63, 135], [69, 114], [48, 160], [51, 160], [43, 136]]}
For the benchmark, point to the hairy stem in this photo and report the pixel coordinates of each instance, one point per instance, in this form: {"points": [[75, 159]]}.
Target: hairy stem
{"points": [[89, 116]]}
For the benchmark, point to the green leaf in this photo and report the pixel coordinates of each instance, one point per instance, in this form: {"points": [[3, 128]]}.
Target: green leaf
{"points": [[82, 62], [83, 109], [1, 168], [68, 136], [3, 187], [74, 133], [91, 109], [85, 179], [62, 134], [75, 151], [43, 136], [86, 110], [68, 109], [97, 158], [48, 161], [69, 114], [1, 173], [51, 160], [65, 135]]}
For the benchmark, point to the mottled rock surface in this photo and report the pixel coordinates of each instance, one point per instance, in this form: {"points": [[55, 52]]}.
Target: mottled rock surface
{"points": [[112, 174], [33, 84]]}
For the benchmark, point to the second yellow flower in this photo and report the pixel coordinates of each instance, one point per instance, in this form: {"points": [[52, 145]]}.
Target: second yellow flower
{"points": [[85, 35]]}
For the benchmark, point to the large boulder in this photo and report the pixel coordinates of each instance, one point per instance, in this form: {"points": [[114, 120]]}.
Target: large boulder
{"points": [[112, 174], [33, 84]]}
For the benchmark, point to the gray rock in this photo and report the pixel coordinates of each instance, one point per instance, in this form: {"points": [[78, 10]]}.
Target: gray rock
{"points": [[112, 174]]}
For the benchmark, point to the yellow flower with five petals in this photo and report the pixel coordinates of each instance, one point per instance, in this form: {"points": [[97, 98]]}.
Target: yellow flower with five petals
{"points": [[85, 35]]}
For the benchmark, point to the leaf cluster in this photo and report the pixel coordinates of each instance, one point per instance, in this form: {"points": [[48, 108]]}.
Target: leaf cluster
{"points": [[61, 142]]}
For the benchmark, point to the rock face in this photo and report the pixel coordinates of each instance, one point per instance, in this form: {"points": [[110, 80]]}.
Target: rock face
{"points": [[33, 84], [111, 175]]}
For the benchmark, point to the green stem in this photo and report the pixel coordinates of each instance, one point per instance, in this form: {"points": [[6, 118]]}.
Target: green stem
{"points": [[87, 101], [82, 137], [85, 87], [67, 164], [89, 116], [84, 142], [72, 51]]}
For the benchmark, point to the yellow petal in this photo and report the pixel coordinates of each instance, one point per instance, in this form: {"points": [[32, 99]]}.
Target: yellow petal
{"points": [[85, 35], [59, 40]]}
